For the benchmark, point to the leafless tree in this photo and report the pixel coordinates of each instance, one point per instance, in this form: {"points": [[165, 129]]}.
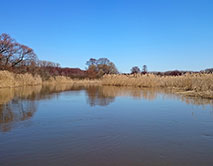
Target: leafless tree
{"points": [[13, 54], [97, 68], [144, 70], [135, 70]]}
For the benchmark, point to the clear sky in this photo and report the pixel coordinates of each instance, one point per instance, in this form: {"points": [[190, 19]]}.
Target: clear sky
{"points": [[163, 34]]}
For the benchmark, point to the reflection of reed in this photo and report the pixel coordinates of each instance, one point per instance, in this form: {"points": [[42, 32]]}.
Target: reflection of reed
{"points": [[7, 94], [192, 100], [12, 106], [96, 96], [15, 110], [110, 92], [104, 95], [113, 91], [17, 104]]}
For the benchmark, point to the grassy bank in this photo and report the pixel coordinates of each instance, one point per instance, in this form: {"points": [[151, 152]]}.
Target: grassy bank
{"points": [[188, 84], [200, 85], [10, 80]]}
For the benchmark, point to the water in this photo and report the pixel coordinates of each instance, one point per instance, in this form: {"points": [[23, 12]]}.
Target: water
{"points": [[103, 126]]}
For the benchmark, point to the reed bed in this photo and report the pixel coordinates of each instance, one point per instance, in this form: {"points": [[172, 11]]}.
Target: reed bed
{"points": [[200, 85], [58, 80], [8, 79], [190, 84]]}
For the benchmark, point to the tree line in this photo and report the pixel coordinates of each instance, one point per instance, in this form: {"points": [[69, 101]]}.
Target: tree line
{"points": [[19, 58], [136, 70]]}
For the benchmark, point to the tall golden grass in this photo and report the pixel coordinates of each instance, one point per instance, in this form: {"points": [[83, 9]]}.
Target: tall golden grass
{"points": [[8, 79], [58, 80], [189, 84], [192, 84]]}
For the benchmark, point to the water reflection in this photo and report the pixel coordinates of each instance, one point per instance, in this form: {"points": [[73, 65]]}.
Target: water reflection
{"points": [[96, 96], [14, 111], [18, 104]]}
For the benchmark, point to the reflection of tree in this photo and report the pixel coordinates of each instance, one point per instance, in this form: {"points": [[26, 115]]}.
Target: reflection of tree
{"points": [[18, 104], [97, 97], [14, 111], [139, 93], [104, 95]]}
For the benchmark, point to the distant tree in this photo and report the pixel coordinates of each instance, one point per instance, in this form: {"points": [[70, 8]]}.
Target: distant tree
{"points": [[91, 62], [91, 72], [210, 70], [173, 73], [135, 70], [144, 70], [45, 64], [99, 67]]}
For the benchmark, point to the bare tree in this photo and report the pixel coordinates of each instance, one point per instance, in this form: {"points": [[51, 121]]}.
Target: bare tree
{"points": [[100, 67], [23, 54], [91, 61], [135, 70], [13, 54], [7, 49], [144, 70]]}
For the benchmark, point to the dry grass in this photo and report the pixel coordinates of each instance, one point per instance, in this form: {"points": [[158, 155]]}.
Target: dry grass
{"points": [[58, 80], [200, 85], [191, 84], [8, 79], [87, 82]]}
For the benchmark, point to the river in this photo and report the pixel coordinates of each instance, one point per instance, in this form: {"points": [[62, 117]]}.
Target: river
{"points": [[103, 126]]}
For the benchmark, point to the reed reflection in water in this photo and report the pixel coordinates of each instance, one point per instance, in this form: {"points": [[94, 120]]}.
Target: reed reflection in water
{"points": [[18, 104]]}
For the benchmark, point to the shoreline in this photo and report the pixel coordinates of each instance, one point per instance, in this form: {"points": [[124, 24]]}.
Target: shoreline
{"points": [[188, 85]]}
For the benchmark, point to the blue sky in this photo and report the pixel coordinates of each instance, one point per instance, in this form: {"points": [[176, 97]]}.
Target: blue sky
{"points": [[163, 34]]}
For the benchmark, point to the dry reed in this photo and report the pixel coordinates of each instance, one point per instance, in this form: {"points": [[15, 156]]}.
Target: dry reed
{"points": [[191, 84], [58, 80], [8, 79]]}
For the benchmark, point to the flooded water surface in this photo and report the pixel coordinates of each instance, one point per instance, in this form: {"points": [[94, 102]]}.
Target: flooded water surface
{"points": [[103, 126]]}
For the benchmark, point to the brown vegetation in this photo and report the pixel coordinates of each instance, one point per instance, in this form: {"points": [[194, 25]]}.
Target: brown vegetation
{"points": [[188, 84], [191, 84], [97, 68], [8, 79]]}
